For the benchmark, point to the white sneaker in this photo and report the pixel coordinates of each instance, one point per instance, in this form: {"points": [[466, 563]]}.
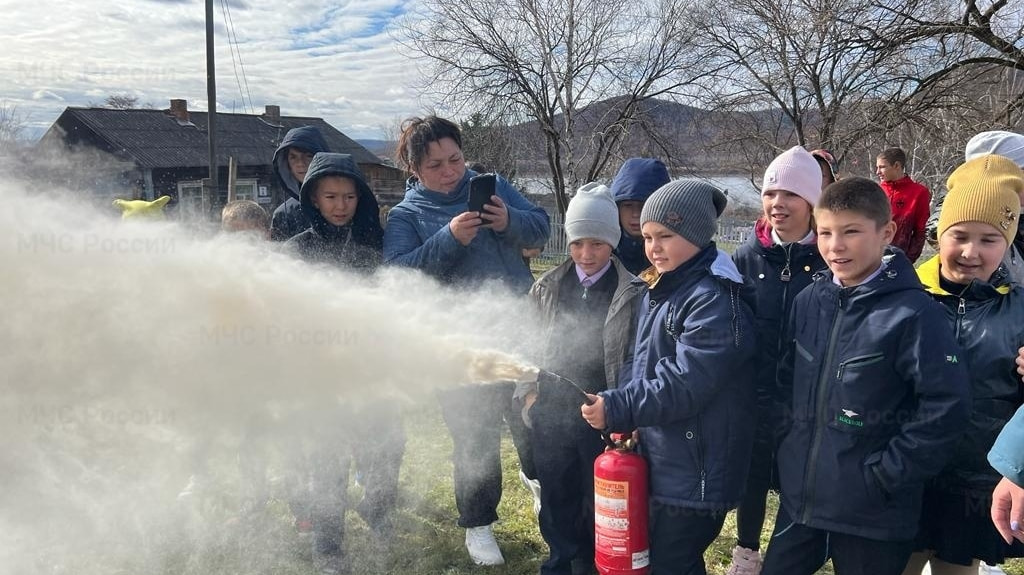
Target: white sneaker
{"points": [[483, 549], [533, 486], [986, 569]]}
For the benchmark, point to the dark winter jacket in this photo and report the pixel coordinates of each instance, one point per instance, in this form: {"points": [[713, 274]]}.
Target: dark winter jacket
{"points": [[877, 396], [777, 273], [418, 236], [691, 392], [636, 180], [587, 340], [910, 203], [356, 245], [288, 219], [619, 323], [988, 321]]}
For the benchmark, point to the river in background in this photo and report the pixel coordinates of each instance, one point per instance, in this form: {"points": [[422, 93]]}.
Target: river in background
{"points": [[740, 190]]}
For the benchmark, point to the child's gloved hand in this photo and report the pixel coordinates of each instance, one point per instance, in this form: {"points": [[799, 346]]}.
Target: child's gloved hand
{"points": [[593, 411]]}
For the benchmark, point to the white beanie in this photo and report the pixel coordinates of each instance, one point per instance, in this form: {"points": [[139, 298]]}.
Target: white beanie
{"points": [[796, 171], [592, 214], [1006, 144]]}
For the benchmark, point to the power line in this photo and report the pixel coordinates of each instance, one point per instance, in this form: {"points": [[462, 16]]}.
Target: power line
{"points": [[233, 47]]}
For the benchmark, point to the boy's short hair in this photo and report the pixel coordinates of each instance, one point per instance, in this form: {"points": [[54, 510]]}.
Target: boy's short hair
{"points": [[894, 156], [858, 195], [244, 214]]}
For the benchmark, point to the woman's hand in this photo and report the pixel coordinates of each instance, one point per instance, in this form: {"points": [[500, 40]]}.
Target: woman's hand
{"points": [[465, 226], [593, 412], [1008, 510], [1020, 362], [495, 214]]}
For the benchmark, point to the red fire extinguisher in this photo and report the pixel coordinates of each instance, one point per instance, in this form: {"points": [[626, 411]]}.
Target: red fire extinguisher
{"points": [[620, 510]]}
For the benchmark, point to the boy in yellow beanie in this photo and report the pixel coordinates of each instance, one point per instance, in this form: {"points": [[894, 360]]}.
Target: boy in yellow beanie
{"points": [[977, 223]]}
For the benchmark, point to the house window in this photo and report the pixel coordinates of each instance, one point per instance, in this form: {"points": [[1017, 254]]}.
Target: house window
{"points": [[245, 190], [190, 199], [190, 189]]}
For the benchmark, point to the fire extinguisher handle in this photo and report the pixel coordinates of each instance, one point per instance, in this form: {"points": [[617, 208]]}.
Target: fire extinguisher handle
{"points": [[609, 441]]}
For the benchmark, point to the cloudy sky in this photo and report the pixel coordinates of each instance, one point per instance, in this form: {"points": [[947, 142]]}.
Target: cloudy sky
{"points": [[332, 59]]}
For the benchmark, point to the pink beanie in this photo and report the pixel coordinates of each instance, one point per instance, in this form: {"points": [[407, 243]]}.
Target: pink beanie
{"points": [[796, 171]]}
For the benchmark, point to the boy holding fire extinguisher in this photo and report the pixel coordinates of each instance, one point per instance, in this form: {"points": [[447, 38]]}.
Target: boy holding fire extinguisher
{"points": [[691, 387], [588, 305]]}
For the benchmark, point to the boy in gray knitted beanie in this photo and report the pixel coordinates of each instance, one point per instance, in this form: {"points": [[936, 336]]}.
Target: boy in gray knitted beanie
{"points": [[690, 390], [687, 209]]}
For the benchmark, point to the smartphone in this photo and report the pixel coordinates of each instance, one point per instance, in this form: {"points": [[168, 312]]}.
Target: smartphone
{"points": [[481, 188]]}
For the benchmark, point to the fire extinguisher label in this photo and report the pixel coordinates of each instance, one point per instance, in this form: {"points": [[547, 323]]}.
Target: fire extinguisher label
{"points": [[611, 517], [641, 559]]}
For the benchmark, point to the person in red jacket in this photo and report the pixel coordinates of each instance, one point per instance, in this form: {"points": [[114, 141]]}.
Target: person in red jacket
{"points": [[910, 201]]}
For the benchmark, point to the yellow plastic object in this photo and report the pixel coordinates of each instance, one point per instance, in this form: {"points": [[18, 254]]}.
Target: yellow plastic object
{"points": [[141, 209]]}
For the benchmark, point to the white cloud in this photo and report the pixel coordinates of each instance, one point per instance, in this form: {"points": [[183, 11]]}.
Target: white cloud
{"points": [[313, 58]]}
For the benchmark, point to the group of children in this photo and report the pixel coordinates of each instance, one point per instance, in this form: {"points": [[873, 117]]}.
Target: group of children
{"points": [[816, 360], [872, 389]]}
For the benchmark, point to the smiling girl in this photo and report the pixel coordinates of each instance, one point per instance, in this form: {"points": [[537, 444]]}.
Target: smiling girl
{"points": [[977, 223]]}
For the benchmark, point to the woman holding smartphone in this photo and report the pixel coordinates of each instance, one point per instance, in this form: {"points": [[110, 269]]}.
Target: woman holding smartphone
{"points": [[433, 230]]}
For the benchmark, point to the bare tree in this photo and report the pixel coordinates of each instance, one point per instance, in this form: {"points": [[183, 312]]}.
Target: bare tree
{"points": [[966, 41], [797, 72], [545, 60], [121, 101], [12, 124], [491, 143]]}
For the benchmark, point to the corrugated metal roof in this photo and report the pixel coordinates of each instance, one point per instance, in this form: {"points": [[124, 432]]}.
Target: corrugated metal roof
{"points": [[155, 139]]}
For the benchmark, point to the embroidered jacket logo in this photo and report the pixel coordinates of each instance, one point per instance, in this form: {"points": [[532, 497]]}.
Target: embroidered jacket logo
{"points": [[848, 417]]}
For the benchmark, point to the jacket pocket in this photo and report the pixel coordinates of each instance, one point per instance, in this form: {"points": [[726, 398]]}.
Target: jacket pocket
{"points": [[861, 361], [802, 352], [694, 438], [874, 485], [862, 398]]}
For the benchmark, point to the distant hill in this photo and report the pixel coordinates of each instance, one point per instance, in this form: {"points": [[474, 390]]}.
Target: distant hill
{"points": [[681, 135], [383, 148]]}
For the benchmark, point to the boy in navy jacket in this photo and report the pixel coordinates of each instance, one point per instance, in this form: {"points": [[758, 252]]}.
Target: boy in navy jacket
{"points": [[875, 392], [691, 390]]}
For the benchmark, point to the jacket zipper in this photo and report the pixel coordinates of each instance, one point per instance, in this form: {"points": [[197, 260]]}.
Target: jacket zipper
{"points": [[961, 311], [821, 406], [786, 273], [785, 294], [700, 456]]}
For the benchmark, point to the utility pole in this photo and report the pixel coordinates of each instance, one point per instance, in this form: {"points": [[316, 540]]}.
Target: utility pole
{"points": [[210, 192]]}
